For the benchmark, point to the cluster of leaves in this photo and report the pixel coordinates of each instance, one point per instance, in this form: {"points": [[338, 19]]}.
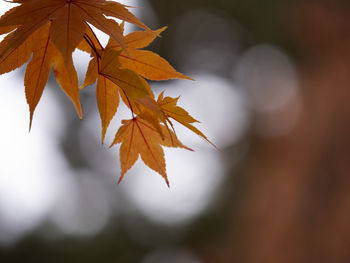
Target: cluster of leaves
{"points": [[47, 32]]}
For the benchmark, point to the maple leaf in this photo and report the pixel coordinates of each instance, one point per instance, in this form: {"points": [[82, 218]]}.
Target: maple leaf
{"points": [[16, 57], [107, 94], [145, 63], [170, 108], [126, 79], [143, 104], [45, 56], [6, 29], [68, 22], [139, 138], [135, 91], [111, 80]]}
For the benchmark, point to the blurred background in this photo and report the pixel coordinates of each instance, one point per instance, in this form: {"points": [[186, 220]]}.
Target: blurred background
{"points": [[272, 91]]}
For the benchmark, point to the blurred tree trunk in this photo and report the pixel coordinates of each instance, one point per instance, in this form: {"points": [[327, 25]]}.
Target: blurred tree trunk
{"points": [[296, 206]]}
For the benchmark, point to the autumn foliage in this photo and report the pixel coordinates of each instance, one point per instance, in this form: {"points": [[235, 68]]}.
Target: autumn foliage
{"points": [[46, 33]]}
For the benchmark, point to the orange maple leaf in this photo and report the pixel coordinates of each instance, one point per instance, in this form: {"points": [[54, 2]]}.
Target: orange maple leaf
{"points": [[170, 108], [139, 138], [146, 63], [111, 81], [68, 22], [45, 56], [134, 90]]}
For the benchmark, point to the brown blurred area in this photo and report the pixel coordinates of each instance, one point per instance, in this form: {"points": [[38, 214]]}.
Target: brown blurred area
{"points": [[287, 198], [295, 206]]}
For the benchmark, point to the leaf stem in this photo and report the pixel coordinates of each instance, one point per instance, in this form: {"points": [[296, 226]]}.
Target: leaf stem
{"points": [[90, 43], [98, 56], [131, 109]]}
